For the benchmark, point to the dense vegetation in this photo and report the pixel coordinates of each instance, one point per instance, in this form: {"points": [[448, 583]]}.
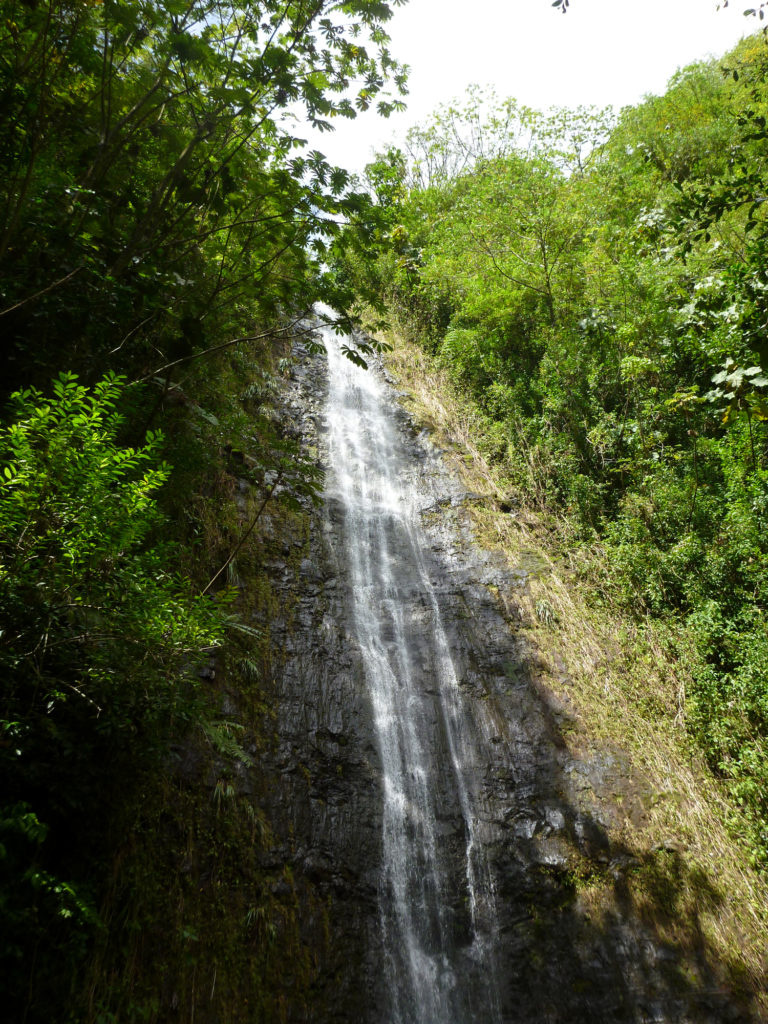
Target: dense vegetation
{"points": [[162, 228], [599, 287]]}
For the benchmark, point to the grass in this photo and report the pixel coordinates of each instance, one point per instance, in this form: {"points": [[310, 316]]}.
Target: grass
{"points": [[624, 690]]}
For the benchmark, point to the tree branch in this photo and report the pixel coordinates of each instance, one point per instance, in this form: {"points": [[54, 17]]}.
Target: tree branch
{"points": [[37, 295], [220, 348], [246, 535]]}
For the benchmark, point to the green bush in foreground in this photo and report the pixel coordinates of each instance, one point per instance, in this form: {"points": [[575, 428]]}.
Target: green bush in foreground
{"points": [[96, 635]]}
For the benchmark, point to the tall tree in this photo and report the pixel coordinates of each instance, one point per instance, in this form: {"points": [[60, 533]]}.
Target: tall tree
{"points": [[154, 183]]}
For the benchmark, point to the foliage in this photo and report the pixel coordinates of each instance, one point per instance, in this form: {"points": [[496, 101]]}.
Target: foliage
{"points": [[163, 223], [98, 637], [599, 290], [157, 196]]}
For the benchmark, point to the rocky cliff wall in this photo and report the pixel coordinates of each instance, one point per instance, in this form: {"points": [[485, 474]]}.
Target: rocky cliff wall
{"points": [[545, 816]]}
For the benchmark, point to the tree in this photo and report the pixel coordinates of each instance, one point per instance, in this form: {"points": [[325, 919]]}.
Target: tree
{"points": [[156, 149], [602, 303]]}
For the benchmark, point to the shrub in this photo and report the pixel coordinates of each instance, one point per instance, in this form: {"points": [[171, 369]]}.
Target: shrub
{"points": [[96, 633]]}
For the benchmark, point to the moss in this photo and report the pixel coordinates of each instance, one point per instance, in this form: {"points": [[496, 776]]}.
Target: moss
{"points": [[202, 913]]}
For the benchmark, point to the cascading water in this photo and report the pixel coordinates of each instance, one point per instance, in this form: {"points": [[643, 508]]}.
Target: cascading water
{"points": [[454, 847], [436, 893]]}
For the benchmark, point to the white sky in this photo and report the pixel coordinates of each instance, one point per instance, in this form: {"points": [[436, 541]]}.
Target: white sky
{"points": [[602, 52]]}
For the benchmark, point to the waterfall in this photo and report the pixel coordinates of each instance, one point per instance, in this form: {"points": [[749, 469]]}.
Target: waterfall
{"points": [[436, 891]]}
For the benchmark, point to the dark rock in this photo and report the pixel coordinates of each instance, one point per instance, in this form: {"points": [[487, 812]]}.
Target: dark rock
{"points": [[537, 810]]}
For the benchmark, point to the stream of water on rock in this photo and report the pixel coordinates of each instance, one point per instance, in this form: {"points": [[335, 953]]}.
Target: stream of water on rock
{"points": [[436, 891]]}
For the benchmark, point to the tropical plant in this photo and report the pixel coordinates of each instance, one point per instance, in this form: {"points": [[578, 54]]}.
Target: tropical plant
{"points": [[99, 639]]}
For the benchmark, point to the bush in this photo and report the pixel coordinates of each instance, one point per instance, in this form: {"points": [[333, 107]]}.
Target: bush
{"points": [[96, 634]]}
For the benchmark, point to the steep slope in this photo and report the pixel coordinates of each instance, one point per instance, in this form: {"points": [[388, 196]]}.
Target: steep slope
{"points": [[516, 870], [509, 834], [617, 702]]}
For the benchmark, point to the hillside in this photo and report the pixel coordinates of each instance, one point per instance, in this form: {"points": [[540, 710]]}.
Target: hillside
{"points": [[425, 676]]}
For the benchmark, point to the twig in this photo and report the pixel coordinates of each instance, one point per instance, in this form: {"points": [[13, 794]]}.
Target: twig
{"points": [[221, 347], [131, 333], [43, 292], [247, 533]]}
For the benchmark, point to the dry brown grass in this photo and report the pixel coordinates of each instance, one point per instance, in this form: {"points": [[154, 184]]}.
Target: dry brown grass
{"points": [[621, 682]]}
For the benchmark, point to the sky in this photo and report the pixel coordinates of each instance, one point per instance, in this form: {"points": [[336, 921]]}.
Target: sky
{"points": [[602, 52]]}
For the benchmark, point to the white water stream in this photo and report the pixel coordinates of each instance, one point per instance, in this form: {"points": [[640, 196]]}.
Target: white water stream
{"points": [[436, 894]]}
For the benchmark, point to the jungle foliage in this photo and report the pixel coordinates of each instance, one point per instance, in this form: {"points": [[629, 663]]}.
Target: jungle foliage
{"points": [[598, 285], [157, 198], [162, 227]]}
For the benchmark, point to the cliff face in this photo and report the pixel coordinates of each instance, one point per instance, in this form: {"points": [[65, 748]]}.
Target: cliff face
{"points": [[410, 828], [496, 903], [319, 776]]}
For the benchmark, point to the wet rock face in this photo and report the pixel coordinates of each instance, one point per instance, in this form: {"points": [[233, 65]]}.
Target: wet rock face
{"points": [[517, 823], [320, 781]]}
